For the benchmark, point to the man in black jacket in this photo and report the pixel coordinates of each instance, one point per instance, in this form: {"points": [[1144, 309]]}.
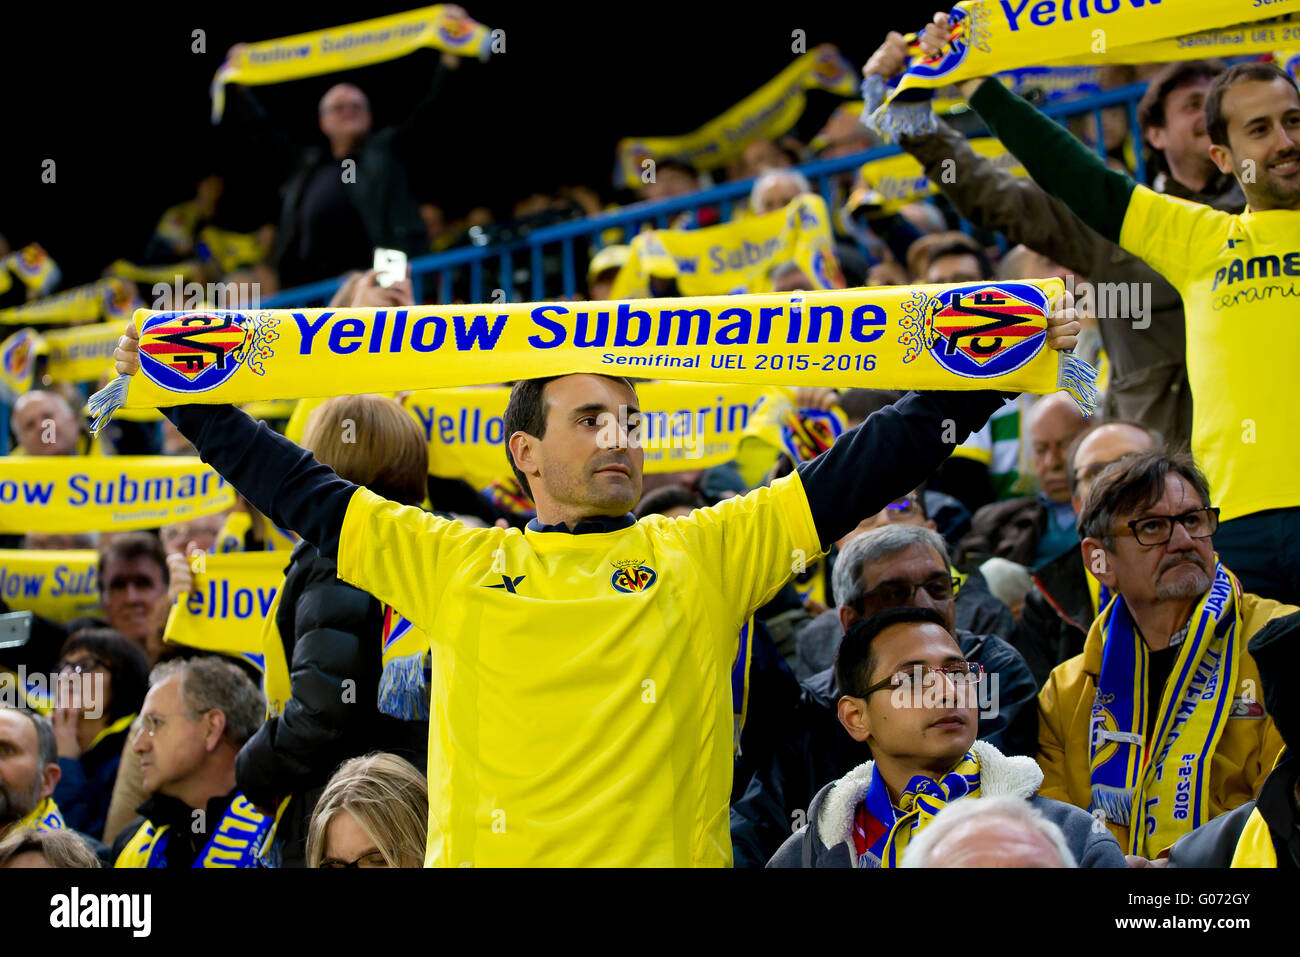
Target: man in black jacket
{"points": [[344, 200], [197, 715], [1064, 600], [899, 565]]}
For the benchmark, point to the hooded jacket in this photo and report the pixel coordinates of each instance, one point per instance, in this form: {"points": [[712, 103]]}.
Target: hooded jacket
{"points": [[1245, 754], [827, 839]]}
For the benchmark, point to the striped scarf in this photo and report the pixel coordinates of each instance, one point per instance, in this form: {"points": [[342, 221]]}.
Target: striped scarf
{"points": [[881, 830]]}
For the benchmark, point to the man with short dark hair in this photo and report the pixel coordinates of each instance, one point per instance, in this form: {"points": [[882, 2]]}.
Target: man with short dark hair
{"points": [[1171, 116], [196, 717], [1156, 727], [910, 694], [29, 772], [1234, 273], [890, 567], [530, 760]]}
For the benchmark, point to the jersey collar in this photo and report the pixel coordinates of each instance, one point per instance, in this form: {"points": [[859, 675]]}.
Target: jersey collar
{"points": [[587, 526]]}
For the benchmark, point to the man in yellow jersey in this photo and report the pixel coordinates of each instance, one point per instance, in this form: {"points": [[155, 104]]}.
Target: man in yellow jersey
{"points": [[1238, 277], [581, 700]]}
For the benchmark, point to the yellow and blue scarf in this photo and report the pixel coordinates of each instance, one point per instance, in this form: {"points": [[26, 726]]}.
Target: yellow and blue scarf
{"points": [[881, 830], [44, 817], [237, 841], [1142, 785]]}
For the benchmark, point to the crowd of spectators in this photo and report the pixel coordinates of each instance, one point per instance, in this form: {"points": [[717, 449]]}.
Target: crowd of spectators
{"points": [[1006, 567]]}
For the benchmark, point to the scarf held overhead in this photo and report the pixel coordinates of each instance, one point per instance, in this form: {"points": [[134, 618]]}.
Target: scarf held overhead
{"points": [[226, 610], [55, 584], [118, 493], [1159, 788], [766, 113], [988, 37], [986, 335], [735, 257], [348, 47]]}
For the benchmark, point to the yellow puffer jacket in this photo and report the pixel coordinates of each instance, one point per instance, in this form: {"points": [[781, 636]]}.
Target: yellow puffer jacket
{"points": [[1241, 762]]}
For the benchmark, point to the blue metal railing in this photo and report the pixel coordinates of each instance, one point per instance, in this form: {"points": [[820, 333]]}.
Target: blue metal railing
{"points": [[504, 259]]}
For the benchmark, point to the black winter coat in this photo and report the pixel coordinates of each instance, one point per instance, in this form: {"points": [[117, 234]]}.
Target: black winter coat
{"points": [[332, 634]]}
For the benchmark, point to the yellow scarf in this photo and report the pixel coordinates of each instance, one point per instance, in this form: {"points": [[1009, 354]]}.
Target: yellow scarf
{"points": [[118, 493], [1142, 782], [44, 817], [59, 585], [882, 830], [31, 264], [988, 36], [238, 840], [348, 47], [988, 335], [766, 113], [684, 425], [111, 298], [232, 599], [735, 257], [1242, 39]]}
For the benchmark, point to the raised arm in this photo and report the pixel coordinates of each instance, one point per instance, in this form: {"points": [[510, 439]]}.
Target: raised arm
{"points": [[281, 480], [888, 455], [1057, 161]]}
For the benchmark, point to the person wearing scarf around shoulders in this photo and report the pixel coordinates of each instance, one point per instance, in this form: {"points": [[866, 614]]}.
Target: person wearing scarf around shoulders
{"points": [[29, 773], [1157, 726], [912, 696], [197, 715], [1264, 832]]}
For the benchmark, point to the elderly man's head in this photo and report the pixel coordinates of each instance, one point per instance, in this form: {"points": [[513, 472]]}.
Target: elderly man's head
{"points": [[776, 188], [344, 115], [1002, 831], [29, 764], [1147, 527], [44, 424], [1054, 422], [894, 566], [1098, 447]]}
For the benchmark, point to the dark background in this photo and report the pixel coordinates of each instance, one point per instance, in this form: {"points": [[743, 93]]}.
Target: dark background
{"points": [[116, 97]]}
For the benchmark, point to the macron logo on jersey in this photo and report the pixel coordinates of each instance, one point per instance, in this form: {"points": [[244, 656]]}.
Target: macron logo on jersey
{"points": [[508, 583]]}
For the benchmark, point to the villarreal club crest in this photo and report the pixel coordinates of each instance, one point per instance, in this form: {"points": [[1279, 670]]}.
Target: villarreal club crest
{"points": [[979, 330], [197, 351]]}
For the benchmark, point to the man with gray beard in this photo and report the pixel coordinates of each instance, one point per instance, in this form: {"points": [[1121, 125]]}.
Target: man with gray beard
{"points": [[1158, 725], [29, 771]]}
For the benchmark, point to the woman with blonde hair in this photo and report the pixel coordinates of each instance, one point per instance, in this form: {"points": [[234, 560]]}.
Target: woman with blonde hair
{"points": [[332, 634], [373, 813]]}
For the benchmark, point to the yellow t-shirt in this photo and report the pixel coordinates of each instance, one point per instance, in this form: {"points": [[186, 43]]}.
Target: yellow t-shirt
{"points": [[581, 701], [1239, 276]]}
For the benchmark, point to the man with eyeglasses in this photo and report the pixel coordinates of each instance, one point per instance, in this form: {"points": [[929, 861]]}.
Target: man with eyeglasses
{"points": [[196, 717], [911, 695], [891, 567], [1158, 726]]}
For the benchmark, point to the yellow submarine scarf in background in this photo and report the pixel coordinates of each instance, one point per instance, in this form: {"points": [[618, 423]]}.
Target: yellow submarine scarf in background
{"points": [[735, 257], [115, 493], [989, 36], [350, 46], [971, 336], [766, 113]]}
